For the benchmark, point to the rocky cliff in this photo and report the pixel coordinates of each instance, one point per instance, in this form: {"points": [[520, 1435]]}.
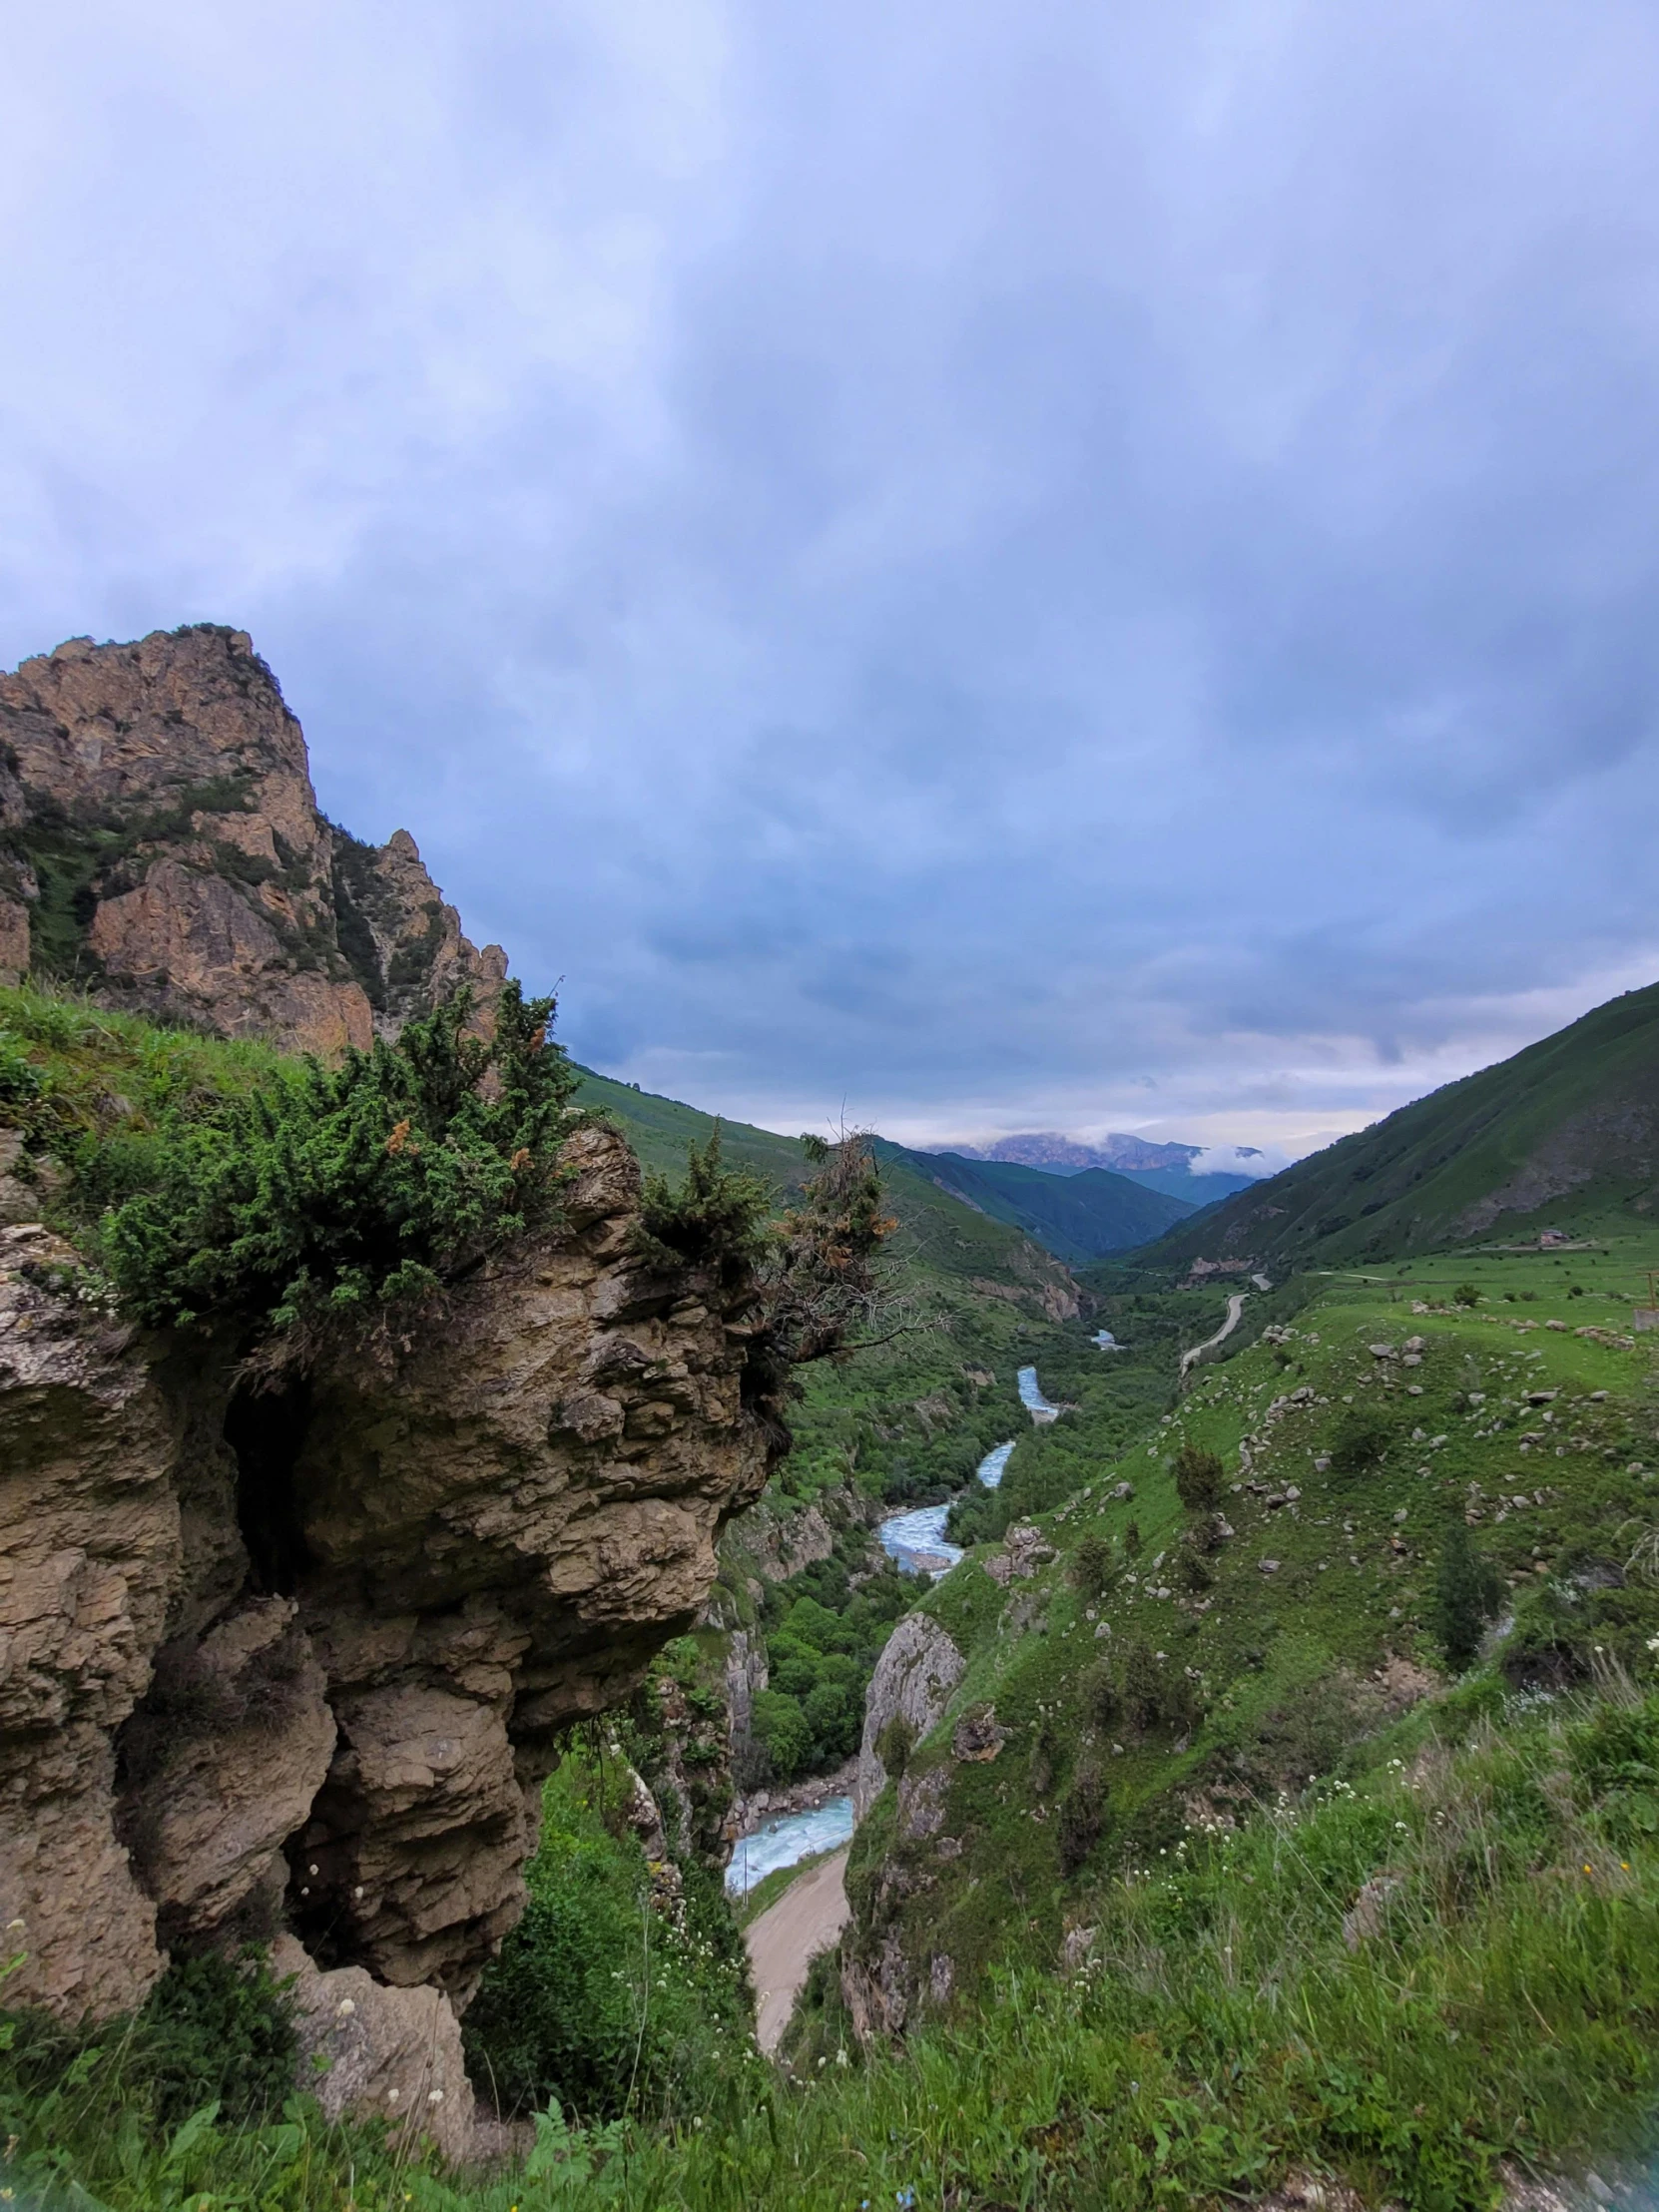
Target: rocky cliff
{"points": [[161, 844], [296, 1664]]}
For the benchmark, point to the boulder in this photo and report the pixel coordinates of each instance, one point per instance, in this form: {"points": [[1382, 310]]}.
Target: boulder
{"points": [[391, 2054]]}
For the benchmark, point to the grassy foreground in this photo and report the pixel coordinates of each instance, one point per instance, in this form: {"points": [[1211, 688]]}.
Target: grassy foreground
{"points": [[1407, 1980]]}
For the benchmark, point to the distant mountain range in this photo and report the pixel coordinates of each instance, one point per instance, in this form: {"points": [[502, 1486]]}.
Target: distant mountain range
{"points": [[1079, 1216], [1156, 1167], [1058, 1155], [1564, 1136]]}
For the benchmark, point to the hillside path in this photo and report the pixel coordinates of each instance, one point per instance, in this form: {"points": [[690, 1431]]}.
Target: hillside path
{"points": [[1235, 1307], [808, 1918]]}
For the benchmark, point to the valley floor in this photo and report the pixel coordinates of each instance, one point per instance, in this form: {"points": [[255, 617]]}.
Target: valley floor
{"points": [[783, 1940]]}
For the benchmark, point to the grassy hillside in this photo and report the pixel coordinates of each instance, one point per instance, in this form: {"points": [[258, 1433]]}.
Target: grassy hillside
{"points": [[939, 1235], [1077, 1217], [1191, 1189], [1424, 1982], [1252, 1880], [1165, 1666], [903, 1424], [1564, 1135]]}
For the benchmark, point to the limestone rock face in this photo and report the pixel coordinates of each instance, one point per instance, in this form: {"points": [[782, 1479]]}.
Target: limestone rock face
{"points": [[90, 1551], [745, 1677], [298, 1662], [160, 842], [919, 1669], [237, 1745]]}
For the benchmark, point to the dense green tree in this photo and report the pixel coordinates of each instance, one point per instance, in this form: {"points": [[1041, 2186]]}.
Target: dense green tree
{"points": [[1143, 1686], [781, 1723], [1082, 1816], [1468, 1593], [1200, 1478], [1361, 1439], [1102, 1702], [1091, 1564], [1195, 1572]]}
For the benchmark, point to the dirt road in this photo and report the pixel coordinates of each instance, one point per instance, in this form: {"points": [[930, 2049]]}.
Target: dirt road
{"points": [[1235, 1307], [807, 1918]]}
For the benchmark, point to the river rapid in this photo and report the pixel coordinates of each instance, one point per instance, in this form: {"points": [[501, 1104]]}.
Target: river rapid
{"points": [[916, 1543]]}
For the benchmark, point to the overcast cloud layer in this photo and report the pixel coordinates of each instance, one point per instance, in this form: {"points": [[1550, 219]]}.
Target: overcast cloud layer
{"points": [[983, 566]]}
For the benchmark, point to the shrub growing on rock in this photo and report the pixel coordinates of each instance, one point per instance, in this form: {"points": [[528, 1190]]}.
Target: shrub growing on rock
{"points": [[820, 1292], [331, 1194], [894, 1745], [217, 2031]]}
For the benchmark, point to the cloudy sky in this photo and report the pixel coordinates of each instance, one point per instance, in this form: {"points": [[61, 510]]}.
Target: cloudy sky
{"points": [[979, 566]]}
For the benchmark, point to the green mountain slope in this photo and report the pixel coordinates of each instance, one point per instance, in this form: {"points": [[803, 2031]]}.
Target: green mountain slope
{"points": [[1564, 1135], [1141, 1669], [1193, 1190], [1078, 1217], [804, 1589], [938, 1233]]}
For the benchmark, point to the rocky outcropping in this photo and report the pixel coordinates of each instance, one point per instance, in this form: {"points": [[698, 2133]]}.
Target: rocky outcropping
{"points": [[296, 1663], [919, 1669], [882, 1978], [161, 845], [393, 2053]]}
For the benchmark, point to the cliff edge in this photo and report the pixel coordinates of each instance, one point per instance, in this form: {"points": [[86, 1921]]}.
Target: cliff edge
{"points": [[292, 1664]]}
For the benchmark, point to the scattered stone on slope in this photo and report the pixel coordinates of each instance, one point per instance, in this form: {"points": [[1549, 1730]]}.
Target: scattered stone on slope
{"points": [[1024, 1551], [977, 1736]]}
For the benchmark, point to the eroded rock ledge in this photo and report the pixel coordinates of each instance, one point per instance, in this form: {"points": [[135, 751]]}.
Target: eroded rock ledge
{"points": [[298, 1662]]}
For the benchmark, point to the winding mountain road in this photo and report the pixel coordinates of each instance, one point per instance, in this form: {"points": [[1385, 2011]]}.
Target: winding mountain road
{"points": [[1235, 1307]]}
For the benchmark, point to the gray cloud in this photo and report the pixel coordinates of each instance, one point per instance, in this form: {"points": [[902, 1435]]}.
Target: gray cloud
{"points": [[1000, 566]]}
